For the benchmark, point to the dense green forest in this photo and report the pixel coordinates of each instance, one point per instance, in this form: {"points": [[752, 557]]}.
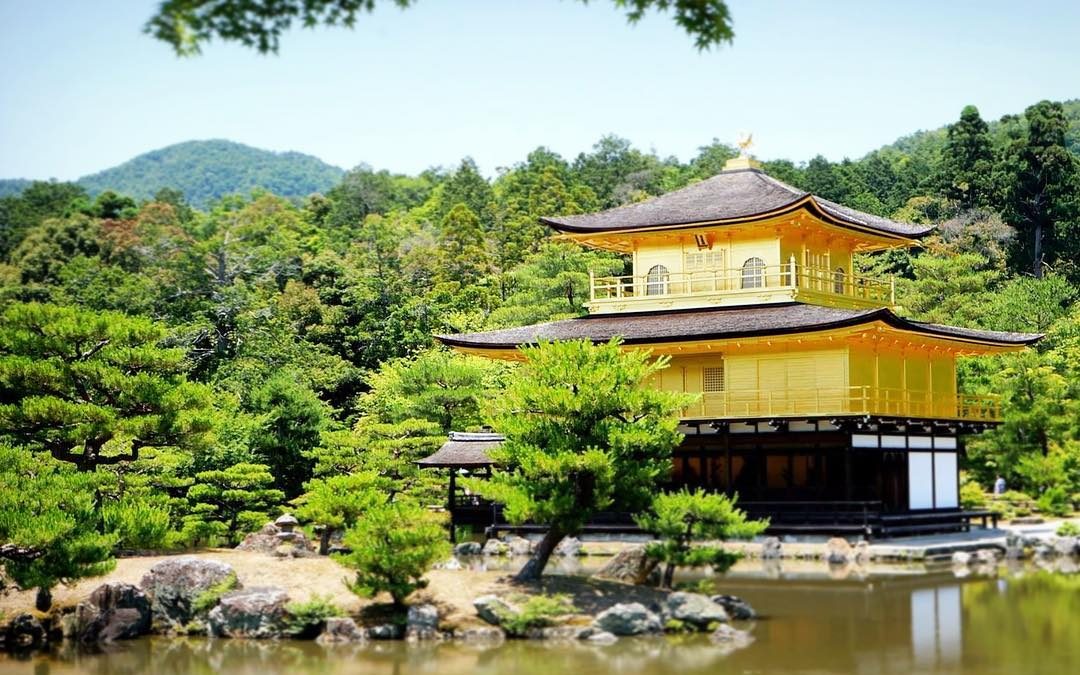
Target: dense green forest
{"points": [[189, 371]]}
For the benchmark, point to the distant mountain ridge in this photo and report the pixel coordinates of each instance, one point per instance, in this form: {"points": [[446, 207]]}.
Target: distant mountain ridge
{"points": [[207, 170]]}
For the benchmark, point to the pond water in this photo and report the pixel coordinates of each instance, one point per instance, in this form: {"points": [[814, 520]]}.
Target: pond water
{"points": [[884, 623]]}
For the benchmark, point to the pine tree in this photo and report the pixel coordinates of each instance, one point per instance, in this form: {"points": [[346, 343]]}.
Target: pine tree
{"points": [[50, 530], [585, 431], [94, 388], [229, 502]]}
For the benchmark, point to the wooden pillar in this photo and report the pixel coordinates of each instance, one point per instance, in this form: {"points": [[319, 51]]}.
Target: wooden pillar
{"points": [[450, 505]]}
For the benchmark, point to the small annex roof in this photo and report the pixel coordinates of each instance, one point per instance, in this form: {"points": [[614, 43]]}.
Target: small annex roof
{"points": [[463, 450], [719, 323], [733, 195]]}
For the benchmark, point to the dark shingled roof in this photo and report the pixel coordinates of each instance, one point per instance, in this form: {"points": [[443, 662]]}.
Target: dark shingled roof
{"points": [[717, 323], [463, 450], [742, 193]]}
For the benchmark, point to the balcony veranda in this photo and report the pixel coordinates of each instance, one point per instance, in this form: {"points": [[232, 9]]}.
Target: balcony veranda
{"points": [[737, 286], [844, 401]]}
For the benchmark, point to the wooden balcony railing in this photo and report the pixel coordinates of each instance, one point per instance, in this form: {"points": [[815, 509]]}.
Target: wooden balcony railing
{"points": [[743, 280], [857, 400]]}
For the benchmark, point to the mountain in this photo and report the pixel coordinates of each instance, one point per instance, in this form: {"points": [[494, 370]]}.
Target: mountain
{"points": [[207, 170], [13, 186]]}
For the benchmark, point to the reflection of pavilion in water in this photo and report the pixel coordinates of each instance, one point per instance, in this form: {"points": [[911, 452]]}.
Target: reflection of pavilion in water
{"points": [[898, 624]]}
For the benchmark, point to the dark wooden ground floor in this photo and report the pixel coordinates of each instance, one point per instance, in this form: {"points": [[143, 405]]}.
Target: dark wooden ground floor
{"points": [[868, 477]]}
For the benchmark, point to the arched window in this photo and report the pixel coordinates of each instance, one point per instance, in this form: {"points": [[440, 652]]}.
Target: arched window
{"points": [[838, 281], [753, 273], [656, 282]]}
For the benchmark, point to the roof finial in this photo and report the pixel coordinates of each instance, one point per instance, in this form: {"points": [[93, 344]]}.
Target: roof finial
{"points": [[745, 142], [744, 160]]}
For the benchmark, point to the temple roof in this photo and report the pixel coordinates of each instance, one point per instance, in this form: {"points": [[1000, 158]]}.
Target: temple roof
{"points": [[739, 195], [463, 450], [718, 323]]}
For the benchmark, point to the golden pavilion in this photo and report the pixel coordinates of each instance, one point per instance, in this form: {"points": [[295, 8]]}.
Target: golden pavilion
{"points": [[820, 406]]}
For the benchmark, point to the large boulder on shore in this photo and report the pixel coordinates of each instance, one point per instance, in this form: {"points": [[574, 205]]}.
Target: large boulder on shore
{"points": [[630, 566], [114, 611], [493, 609], [24, 632], [772, 549], [422, 623], [736, 607], [468, 548], [495, 547], [628, 619], [569, 547], [257, 612], [694, 609], [174, 585], [341, 629], [518, 546]]}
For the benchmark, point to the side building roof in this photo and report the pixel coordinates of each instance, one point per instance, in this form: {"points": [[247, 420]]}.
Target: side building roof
{"points": [[719, 323], [733, 195], [463, 450]]}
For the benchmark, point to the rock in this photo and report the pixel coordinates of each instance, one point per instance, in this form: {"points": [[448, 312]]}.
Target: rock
{"points": [[602, 637], [630, 566], [986, 556], [493, 609], [1027, 520], [961, 559], [114, 611], [468, 548], [771, 549], [736, 607], [422, 623], [257, 612], [494, 547], [174, 584], [24, 632], [480, 634], [838, 551], [556, 633], [693, 608], [1044, 550], [386, 631], [1065, 546], [628, 619], [568, 547], [452, 564], [730, 636], [341, 629], [862, 552], [519, 546]]}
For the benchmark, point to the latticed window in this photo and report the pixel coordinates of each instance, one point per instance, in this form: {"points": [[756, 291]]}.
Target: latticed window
{"points": [[838, 281], [704, 260], [656, 282], [713, 379], [753, 273]]}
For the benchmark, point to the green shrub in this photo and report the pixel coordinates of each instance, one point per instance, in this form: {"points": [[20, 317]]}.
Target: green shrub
{"points": [[972, 495], [305, 619], [391, 548], [537, 611], [136, 523], [206, 600], [1054, 502], [1068, 529]]}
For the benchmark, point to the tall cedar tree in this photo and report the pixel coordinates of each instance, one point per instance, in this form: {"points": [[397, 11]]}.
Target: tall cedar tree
{"points": [[967, 161], [462, 252], [94, 388], [1042, 200], [585, 431]]}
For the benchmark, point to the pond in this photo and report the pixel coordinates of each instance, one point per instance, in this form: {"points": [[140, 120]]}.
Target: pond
{"points": [[892, 622]]}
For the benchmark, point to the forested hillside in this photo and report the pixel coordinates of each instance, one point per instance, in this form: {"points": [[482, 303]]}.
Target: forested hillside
{"points": [[207, 170], [260, 345]]}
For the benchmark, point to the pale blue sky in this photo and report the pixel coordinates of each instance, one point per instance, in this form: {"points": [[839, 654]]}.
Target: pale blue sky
{"points": [[83, 89]]}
